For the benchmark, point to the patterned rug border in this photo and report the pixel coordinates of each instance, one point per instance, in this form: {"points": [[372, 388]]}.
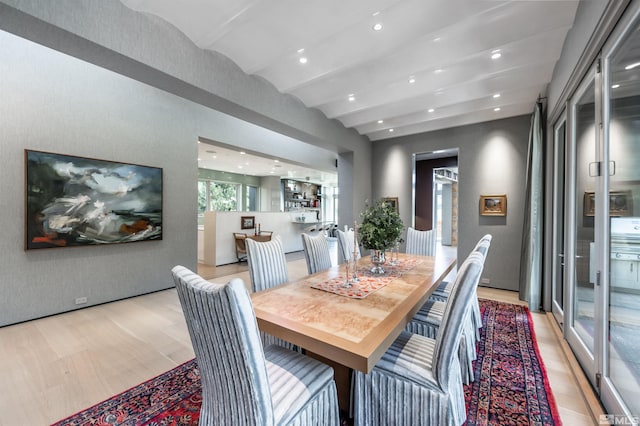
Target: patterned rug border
{"points": [[553, 407]]}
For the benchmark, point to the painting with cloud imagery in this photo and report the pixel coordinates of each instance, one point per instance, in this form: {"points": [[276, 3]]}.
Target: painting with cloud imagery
{"points": [[77, 201]]}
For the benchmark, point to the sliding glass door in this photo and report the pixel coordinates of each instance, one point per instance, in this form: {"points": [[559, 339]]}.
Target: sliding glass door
{"points": [[584, 183], [620, 364], [596, 270], [559, 209]]}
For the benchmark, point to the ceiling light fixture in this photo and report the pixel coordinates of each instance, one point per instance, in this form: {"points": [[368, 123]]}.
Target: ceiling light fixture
{"points": [[242, 153], [437, 39], [277, 161], [380, 121], [497, 95], [615, 86], [377, 27], [632, 66], [431, 110], [352, 97], [375, 13], [412, 80], [390, 130], [496, 109], [303, 60], [301, 50], [438, 71], [496, 54]]}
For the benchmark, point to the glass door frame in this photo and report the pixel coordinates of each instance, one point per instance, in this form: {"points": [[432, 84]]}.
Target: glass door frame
{"points": [[608, 393], [558, 261], [583, 354]]}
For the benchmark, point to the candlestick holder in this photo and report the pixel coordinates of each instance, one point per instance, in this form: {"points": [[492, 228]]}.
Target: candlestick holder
{"points": [[348, 283]]}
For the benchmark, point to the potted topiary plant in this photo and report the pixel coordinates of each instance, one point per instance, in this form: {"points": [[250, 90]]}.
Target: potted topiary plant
{"points": [[380, 229]]}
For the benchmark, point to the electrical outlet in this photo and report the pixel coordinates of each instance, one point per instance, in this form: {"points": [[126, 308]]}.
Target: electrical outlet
{"points": [[81, 300], [485, 281]]}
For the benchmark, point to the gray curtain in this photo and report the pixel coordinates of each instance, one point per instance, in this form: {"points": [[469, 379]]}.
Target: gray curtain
{"points": [[531, 261]]}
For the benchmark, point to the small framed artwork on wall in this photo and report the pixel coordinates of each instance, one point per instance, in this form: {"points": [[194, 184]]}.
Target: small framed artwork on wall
{"points": [[493, 205], [247, 222], [393, 202]]}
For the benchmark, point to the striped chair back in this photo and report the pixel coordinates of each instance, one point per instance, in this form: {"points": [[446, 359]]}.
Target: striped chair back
{"points": [[345, 246], [316, 252], [222, 325], [455, 315], [420, 242], [267, 263]]}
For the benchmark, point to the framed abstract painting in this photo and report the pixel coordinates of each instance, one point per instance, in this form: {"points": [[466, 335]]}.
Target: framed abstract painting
{"points": [[78, 201]]}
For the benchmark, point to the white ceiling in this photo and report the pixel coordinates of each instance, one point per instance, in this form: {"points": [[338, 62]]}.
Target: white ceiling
{"points": [[445, 45], [222, 158]]}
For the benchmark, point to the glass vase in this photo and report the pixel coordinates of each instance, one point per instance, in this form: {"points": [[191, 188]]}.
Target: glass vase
{"points": [[377, 259]]}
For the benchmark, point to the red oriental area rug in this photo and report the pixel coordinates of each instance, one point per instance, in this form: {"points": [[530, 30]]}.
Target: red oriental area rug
{"points": [[511, 386]]}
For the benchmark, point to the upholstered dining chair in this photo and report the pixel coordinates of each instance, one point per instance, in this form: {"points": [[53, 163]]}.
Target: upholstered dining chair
{"points": [[428, 320], [268, 268], [242, 383], [267, 263], [316, 252], [420, 242], [417, 380], [346, 244]]}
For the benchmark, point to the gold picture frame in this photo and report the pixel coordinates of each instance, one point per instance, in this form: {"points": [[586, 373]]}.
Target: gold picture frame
{"points": [[620, 203], [393, 202], [493, 205]]}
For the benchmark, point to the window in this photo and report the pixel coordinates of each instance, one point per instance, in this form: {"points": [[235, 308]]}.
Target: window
{"points": [[218, 196], [252, 199]]}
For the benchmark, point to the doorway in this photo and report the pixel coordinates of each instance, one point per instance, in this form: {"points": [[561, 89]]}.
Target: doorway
{"points": [[436, 195]]}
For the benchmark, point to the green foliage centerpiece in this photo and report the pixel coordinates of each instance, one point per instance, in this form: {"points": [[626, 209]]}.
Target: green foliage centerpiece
{"points": [[381, 228]]}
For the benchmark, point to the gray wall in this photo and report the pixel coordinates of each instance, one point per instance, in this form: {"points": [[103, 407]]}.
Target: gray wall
{"points": [[491, 160], [55, 102]]}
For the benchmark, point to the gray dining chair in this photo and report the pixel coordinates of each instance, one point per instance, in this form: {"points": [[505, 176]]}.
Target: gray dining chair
{"points": [[417, 380], [420, 242], [268, 268], [242, 383], [428, 320], [346, 245], [267, 263], [316, 252], [443, 290]]}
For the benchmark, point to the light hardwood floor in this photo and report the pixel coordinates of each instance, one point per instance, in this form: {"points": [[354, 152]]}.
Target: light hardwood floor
{"points": [[54, 367]]}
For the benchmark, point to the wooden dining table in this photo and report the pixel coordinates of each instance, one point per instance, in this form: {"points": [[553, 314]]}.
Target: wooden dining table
{"points": [[349, 333]]}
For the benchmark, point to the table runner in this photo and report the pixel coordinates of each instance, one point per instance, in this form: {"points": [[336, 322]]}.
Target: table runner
{"points": [[368, 282]]}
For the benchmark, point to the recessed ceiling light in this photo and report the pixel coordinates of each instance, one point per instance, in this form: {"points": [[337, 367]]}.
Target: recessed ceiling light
{"points": [[377, 26], [632, 66], [272, 172], [239, 167], [496, 54], [412, 80], [431, 110], [380, 121], [615, 86], [497, 95], [276, 161], [199, 159], [301, 50], [438, 71], [303, 60], [391, 130], [496, 109], [242, 153], [437, 39], [375, 13], [352, 98], [214, 156]]}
